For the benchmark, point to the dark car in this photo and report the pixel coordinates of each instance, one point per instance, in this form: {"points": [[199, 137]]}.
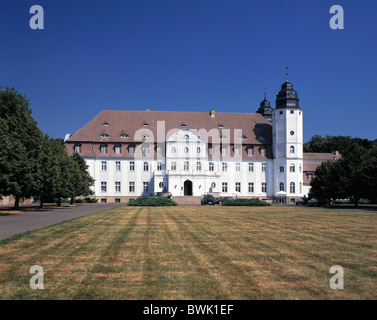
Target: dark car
{"points": [[208, 199], [316, 202], [220, 201], [302, 201]]}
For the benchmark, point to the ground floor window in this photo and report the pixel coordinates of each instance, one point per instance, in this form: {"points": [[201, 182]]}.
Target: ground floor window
{"points": [[145, 186], [238, 186], [264, 187], [103, 186], [225, 187], [251, 187], [117, 186], [117, 200], [131, 186], [103, 200]]}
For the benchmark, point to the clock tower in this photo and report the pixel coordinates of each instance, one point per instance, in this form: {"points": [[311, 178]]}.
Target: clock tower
{"points": [[287, 131]]}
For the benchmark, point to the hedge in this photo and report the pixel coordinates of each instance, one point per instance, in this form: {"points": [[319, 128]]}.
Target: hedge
{"points": [[151, 202], [245, 202]]}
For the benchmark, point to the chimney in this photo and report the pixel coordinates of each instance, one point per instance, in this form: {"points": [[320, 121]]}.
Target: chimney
{"points": [[212, 113]]}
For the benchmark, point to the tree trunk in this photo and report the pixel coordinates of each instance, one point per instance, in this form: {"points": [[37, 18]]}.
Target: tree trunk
{"points": [[59, 202], [41, 204], [16, 203], [71, 200], [356, 202]]}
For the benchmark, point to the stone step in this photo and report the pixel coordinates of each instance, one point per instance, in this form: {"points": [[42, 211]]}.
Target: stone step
{"points": [[187, 200]]}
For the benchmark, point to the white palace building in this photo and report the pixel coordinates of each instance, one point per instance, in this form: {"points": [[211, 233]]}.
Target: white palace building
{"points": [[244, 155]]}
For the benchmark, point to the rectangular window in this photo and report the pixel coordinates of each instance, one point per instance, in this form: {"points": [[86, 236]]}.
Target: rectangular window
{"points": [[103, 200], [238, 186], [104, 149], [118, 150], [131, 150], [251, 166], [225, 187], [237, 151], [159, 150], [250, 152], [103, 165], [210, 151], [186, 166], [211, 166], [224, 151], [198, 166], [145, 151], [281, 168], [146, 166], [132, 165], [117, 200], [145, 186], [264, 167], [173, 166], [131, 186], [78, 149], [251, 187], [264, 187], [117, 165], [238, 166], [117, 186], [263, 152], [159, 166], [103, 186], [225, 166]]}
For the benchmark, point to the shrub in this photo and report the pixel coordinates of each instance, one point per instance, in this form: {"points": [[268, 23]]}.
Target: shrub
{"points": [[90, 200], [152, 202], [245, 202]]}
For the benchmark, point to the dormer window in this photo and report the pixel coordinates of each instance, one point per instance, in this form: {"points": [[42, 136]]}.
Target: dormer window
{"points": [[145, 124], [118, 149], [250, 152], [243, 137], [186, 136], [78, 148], [124, 135], [104, 135], [105, 124], [103, 149], [220, 126], [263, 152]]}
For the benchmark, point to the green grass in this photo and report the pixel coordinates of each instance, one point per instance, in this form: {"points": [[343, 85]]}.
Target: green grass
{"points": [[196, 252]]}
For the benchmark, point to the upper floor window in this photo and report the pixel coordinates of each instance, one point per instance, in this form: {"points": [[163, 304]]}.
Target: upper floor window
{"points": [[104, 135], [211, 166], [104, 149], [118, 149], [264, 167], [292, 168], [186, 166], [237, 151], [117, 165], [186, 150], [281, 168], [225, 166], [210, 151], [238, 166], [173, 166], [78, 148], [145, 150], [198, 166], [103, 165], [250, 152], [224, 151], [131, 150], [263, 152], [198, 150], [159, 166], [174, 150], [146, 166], [281, 186], [132, 165], [251, 166], [292, 149], [159, 150]]}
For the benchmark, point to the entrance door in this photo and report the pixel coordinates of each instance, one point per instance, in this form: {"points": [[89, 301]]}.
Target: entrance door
{"points": [[187, 186]]}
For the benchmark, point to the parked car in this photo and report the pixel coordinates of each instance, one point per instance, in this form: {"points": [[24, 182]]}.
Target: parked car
{"points": [[316, 202], [207, 199], [302, 201], [220, 201]]}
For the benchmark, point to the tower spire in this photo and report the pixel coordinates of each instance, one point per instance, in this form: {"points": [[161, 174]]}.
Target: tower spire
{"points": [[286, 74], [265, 94]]}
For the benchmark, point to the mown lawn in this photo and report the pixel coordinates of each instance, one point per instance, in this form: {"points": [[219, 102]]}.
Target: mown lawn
{"points": [[196, 252]]}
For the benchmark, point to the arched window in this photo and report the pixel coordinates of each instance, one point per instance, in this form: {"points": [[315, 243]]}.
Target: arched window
{"points": [[198, 150], [186, 150], [292, 149], [292, 168], [173, 150], [281, 186], [292, 188]]}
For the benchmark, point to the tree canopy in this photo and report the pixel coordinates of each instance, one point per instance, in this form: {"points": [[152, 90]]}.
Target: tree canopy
{"points": [[31, 163]]}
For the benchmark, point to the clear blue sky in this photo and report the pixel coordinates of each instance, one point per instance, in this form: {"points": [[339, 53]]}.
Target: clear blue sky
{"points": [[192, 55]]}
